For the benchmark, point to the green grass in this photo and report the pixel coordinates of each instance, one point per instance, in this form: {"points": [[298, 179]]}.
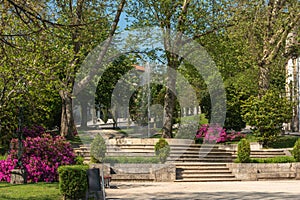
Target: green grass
{"points": [[81, 139], [201, 117], [36, 191]]}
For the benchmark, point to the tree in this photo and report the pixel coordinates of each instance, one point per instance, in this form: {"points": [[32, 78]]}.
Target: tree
{"points": [[26, 94], [62, 34], [107, 83], [192, 18], [265, 26], [267, 114]]}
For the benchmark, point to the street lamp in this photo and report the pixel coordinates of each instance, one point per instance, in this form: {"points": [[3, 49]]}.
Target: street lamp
{"points": [[19, 174]]}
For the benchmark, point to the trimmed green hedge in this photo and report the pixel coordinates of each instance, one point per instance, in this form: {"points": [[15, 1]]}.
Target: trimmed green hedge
{"points": [[283, 142], [73, 182], [123, 159], [296, 150], [243, 153], [162, 150], [279, 159]]}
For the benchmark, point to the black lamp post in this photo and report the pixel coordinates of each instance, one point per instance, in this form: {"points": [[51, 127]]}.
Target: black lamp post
{"points": [[18, 174], [20, 138]]}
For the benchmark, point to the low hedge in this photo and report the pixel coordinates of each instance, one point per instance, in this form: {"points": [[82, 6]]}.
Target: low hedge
{"points": [[123, 159], [278, 159], [73, 182], [287, 141]]}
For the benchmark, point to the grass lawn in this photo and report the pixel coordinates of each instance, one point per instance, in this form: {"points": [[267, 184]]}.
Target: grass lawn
{"points": [[36, 191]]}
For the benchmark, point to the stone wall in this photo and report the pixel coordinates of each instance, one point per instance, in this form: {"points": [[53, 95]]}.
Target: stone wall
{"points": [[144, 172], [264, 171]]}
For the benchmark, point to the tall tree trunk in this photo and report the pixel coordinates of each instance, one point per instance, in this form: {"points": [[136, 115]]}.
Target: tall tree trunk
{"points": [[169, 106], [83, 124], [170, 98], [264, 79], [67, 125]]}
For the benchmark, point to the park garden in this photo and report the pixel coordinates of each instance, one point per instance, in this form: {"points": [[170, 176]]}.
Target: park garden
{"points": [[249, 52]]}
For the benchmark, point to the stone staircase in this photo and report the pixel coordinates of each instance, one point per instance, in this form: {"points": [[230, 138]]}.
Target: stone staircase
{"points": [[193, 162], [199, 153], [203, 172]]}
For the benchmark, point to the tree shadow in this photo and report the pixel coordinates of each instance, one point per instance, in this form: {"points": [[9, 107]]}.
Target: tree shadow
{"points": [[207, 195]]}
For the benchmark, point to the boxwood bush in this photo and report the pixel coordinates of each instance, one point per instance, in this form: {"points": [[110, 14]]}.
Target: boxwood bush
{"points": [[243, 154], [98, 149], [296, 150], [278, 159], [162, 150], [73, 182], [124, 159]]}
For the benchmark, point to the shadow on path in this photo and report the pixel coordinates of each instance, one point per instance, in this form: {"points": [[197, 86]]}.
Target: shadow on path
{"points": [[207, 195]]}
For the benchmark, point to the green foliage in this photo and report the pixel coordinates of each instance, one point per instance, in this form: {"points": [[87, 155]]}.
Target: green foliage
{"points": [[243, 153], [278, 159], [162, 150], [79, 160], [234, 120], [98, 149], [267, 114], [283, 142], [124, 159], [296, 150], [73, 181], [3, 157]]}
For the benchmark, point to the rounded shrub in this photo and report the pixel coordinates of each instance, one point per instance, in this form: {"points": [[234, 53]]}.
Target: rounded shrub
{"points": [[162, 150], [243, 154], [98, 149], [296, 150], [73, 182]]}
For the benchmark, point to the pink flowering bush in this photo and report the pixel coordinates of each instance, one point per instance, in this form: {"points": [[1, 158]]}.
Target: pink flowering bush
{"points": [[5, 168], [216, 134], [41, 157]]}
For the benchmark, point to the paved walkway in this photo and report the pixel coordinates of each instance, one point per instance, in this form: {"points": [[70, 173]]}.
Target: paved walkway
{"points": [[278, 190]]}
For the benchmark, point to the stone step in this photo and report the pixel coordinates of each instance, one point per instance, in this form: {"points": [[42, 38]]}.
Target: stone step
{"points": [[131, 154], [200, 164], [215, 175], [132, 177], [220, 179], [196, 160], [195, 155], [204, 171]]}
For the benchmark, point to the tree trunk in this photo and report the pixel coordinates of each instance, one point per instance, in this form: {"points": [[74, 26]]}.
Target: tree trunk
{"points": [[169, 104], [67, 125], [83, 124], [263, 83]]}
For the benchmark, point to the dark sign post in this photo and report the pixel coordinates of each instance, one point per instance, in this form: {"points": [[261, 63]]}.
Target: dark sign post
{"points": [[95, 184]]}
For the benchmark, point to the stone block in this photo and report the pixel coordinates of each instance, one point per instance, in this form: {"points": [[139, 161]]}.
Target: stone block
{"points": [[18, 176]]}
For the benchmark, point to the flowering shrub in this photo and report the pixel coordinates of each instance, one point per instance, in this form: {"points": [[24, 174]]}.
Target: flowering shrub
{"points": [[34, 131], [5, 168], [41, 157], [217, 134]]}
